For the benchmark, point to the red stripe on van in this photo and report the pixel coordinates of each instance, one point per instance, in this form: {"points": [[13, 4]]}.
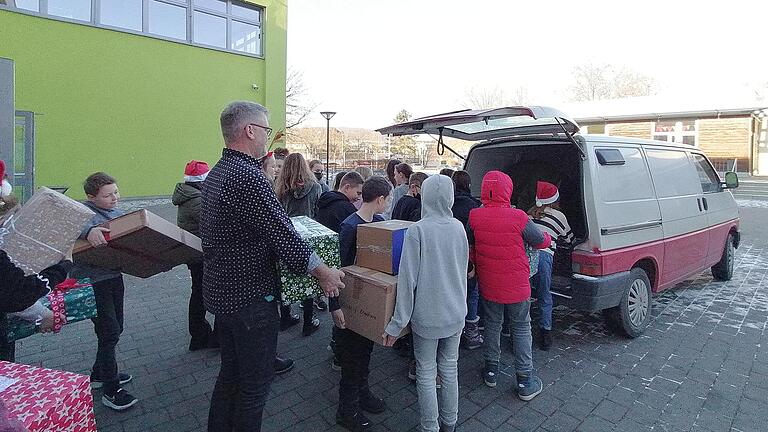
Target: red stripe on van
{"points": [[601, 263]]}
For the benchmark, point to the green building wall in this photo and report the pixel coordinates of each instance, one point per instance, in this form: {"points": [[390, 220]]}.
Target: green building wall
{"points": [[134, 106]]}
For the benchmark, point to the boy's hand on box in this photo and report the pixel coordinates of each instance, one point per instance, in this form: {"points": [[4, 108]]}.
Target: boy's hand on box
{"points": [[96, 236], [388, 340], [338, 319], [46, 325]]}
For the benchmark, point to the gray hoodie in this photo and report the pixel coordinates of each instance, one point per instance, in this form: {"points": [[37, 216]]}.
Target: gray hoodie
{"points": [[432, 283]]}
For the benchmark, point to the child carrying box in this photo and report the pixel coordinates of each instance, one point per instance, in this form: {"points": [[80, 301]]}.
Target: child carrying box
{"points": [[353, 350], [103, 196]]}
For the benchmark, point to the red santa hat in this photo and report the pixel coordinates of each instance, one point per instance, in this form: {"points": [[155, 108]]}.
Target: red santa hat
{"points": [[546, 193], [5, 187], [196, 171]]}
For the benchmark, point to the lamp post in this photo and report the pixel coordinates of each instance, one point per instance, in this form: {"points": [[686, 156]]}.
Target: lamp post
{"points": [[328, 116]]}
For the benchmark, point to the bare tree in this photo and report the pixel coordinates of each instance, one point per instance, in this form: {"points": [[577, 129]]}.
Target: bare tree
{"points": [[602, 81], [494, 97], [298, 106]]}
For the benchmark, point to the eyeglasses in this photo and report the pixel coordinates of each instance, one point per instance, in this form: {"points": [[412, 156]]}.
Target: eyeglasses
{"points": [[268, 130]]}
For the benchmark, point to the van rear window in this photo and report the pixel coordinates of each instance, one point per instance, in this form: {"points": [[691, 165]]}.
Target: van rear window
{"points": [[609, 157]]}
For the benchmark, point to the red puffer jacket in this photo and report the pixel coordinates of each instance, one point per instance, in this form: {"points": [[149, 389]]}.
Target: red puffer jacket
{"points": [[497, 235]]}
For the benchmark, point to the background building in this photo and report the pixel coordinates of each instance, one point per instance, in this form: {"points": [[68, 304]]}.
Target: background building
{"points": [[132, 87]]}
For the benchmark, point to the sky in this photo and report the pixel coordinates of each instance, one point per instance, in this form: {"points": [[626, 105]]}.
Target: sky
{"points": [[368, 59]]}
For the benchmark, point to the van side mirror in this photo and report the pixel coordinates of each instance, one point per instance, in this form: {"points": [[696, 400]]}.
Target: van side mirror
{"points": [[731, 180]]}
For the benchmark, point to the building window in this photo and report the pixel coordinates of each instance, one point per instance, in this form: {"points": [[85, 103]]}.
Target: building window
{"points": [[680, 132], [230, 25]]}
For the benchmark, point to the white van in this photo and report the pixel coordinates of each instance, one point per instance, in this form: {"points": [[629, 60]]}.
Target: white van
{"points": [[646, 215]]}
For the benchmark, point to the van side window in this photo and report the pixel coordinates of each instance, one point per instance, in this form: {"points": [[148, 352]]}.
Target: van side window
{"points": [[710, 182], [672, 173], [629, 181]]}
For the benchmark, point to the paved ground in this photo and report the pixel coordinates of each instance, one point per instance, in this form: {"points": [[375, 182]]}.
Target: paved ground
{"points": [[701, 365]]}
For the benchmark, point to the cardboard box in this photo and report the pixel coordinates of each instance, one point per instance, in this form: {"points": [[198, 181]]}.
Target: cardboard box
{"points": [[368, 301], [47, 400], [380, 244], [141, 244], [325, 243], [42, 231]]}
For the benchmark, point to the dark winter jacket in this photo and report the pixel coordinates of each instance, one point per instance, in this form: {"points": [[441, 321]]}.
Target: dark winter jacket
{"points": [[408, 208], [96, 274], [188, 198], [463, 203], [18, 292], [302, 202], [332, 208], [497, 236]]}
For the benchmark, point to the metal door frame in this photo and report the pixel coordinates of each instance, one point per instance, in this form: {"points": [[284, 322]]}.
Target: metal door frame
{"points": [[26, 178]]}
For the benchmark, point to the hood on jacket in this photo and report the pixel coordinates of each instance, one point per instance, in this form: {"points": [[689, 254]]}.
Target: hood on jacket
{"points": [[329, 198], [496, 190], [304, 190], [437, 197], [184, 192]]}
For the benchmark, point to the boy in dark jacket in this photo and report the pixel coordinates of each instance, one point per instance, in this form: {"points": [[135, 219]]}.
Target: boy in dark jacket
{"points": [[109, 290], [408, 208], [188, 197], [497, 237], [335, 206], [353, 350]]}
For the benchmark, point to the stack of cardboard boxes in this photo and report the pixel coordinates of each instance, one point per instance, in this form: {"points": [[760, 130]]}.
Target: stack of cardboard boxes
{"points": [[368, 298]]}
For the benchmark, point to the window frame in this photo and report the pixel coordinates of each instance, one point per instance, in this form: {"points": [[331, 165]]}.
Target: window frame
{"points": [[190, 9], [678, 133]]}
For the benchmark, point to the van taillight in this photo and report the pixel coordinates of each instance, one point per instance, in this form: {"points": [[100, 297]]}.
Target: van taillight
{"points": [[587, 263]]}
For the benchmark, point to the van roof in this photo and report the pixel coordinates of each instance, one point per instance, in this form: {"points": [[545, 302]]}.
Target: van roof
{"points": [[637, 141]]}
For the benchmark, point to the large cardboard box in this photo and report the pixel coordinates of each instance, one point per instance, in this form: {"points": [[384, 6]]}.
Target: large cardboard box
{"points": [[380, 244], [46, 400], [42, 231], [325, 243], [141, 244], [368, 301]]}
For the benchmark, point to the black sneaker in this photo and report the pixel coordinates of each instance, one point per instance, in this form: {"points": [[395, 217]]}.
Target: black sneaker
{"points": [[119, 401], [320, 304], [123, 378], [490, 371], [545, 339], [282, 365], [354, 423], [310, 327], [481, 324], [506, 330], [371, 403]]}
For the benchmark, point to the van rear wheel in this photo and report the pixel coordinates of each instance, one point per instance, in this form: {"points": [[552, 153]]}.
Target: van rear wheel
{"points": [[723, 270], [633, 314]]}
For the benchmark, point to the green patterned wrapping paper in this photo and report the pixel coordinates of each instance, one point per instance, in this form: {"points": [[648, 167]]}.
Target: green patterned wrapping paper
{"points": [[80, 305], [325, 243], [533, 259]]}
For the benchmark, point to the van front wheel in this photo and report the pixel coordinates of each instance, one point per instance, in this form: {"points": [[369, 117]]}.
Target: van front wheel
{"points": [[633, 314], [723, 270]]}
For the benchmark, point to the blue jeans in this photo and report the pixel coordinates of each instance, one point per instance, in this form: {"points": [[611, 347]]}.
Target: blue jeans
{"points": [[473, 298], [520, 319], [542, 281], [248, 340], [433, 356]]}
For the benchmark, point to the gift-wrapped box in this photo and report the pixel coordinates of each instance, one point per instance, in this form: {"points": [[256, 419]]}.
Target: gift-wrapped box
{"points": [[140, 244], [79, 304], [325, 243], [42, 231], [47, 400]]}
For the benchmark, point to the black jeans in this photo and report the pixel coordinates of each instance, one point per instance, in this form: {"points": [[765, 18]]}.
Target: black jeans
{"points": [[248, 342], [108, 325], [199, 328], [354, 354], [7, 349]]}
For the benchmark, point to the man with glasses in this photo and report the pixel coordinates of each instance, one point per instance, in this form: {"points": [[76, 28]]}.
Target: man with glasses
{"points": [[245, 232]]}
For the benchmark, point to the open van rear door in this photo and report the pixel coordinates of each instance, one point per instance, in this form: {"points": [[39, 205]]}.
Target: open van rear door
{"points": [[485, 124]]}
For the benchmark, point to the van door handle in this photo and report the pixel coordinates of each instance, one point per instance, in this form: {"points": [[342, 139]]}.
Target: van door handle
{"points": [[704, 200], [698, 201]]}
